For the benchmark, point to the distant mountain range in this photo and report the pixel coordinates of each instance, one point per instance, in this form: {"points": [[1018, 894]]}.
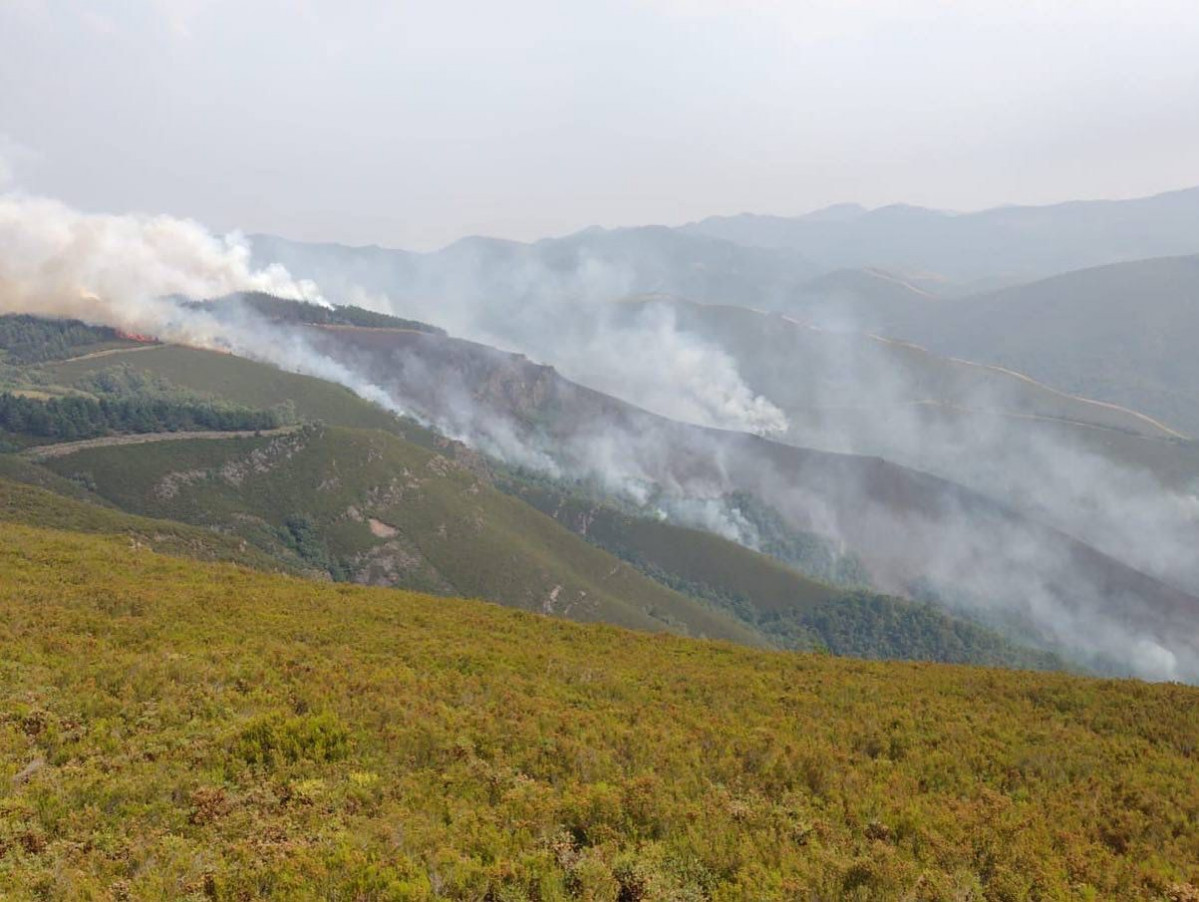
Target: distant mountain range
{"points": [[1124, 333], [1014, 243], [772, 261], [1117, 332]]}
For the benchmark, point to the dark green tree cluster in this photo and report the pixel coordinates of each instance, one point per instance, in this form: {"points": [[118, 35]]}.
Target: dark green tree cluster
{"points": [[71, 418], [28, 339], [807, 552], [862, 624], [865, 625], [303, 536]]}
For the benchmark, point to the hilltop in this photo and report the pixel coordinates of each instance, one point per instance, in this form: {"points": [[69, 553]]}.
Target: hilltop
{"points": [[282, 310]]}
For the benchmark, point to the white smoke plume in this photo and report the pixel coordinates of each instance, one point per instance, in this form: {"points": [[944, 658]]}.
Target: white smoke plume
{"points": [[127, 271], [507, 296], [78, 264]]}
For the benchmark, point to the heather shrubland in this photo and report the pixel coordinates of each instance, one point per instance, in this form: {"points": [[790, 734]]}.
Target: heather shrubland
{"points": [[175, 729]]}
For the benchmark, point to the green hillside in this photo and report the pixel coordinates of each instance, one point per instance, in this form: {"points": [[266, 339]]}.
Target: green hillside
{"points": [[284, 518], [179, 730], [29, 504], [371, 507], [238, 381], [790, 609], [19, 470], [368, 507]]}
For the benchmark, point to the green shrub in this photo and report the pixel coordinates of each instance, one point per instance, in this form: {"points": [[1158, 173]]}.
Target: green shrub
{"points": [[269, 741]]}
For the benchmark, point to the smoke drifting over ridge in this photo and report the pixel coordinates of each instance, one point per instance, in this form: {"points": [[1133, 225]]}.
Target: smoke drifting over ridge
{"points": [[554, 302], [124, 271], [120, 271], [557, 311], [77, 263]]}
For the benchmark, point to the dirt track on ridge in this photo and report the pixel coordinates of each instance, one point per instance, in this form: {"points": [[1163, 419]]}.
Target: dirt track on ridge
{"points": [[45, 452]]}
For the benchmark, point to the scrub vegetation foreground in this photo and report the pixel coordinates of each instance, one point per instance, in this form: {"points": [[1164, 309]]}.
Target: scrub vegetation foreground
{"points": [[175, 729]]}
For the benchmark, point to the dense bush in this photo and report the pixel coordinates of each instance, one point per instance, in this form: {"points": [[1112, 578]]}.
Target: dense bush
{"points": [[269, 741]]}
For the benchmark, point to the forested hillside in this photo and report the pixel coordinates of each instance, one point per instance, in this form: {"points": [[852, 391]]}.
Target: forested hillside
{"points": [[35, 339]]}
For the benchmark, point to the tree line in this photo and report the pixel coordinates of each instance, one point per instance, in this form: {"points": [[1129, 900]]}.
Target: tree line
{"points": [[71, 418], [32, 339]]}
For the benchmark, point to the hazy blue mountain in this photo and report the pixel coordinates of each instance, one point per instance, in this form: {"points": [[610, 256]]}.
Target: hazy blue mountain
{"points": [[1123, 333], [1010, 243], [592, 263]]}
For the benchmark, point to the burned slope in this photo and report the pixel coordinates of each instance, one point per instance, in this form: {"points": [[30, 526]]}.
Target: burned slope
{"points": [[917, 534]]}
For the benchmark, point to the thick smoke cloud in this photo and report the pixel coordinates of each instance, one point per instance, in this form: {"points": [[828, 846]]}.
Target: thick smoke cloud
{"points": [[125, 271], [557, 312], [77, 263], [860, 395]]}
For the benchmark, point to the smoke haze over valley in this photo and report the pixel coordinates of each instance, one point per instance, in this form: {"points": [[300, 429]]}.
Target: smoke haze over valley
{"points": [[580, 306], [649, 451]]}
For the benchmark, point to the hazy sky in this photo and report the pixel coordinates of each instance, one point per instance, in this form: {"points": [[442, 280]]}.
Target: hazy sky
{"points": [[413, 123]]}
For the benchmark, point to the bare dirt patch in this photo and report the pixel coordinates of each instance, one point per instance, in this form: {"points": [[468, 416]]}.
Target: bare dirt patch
{"points": [[380, 529]]}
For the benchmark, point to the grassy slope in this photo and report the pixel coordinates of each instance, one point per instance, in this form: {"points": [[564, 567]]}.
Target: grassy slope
{"points": [[172, 729], [453, 533], [240, 381], [29, 504], [15, 469]]}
